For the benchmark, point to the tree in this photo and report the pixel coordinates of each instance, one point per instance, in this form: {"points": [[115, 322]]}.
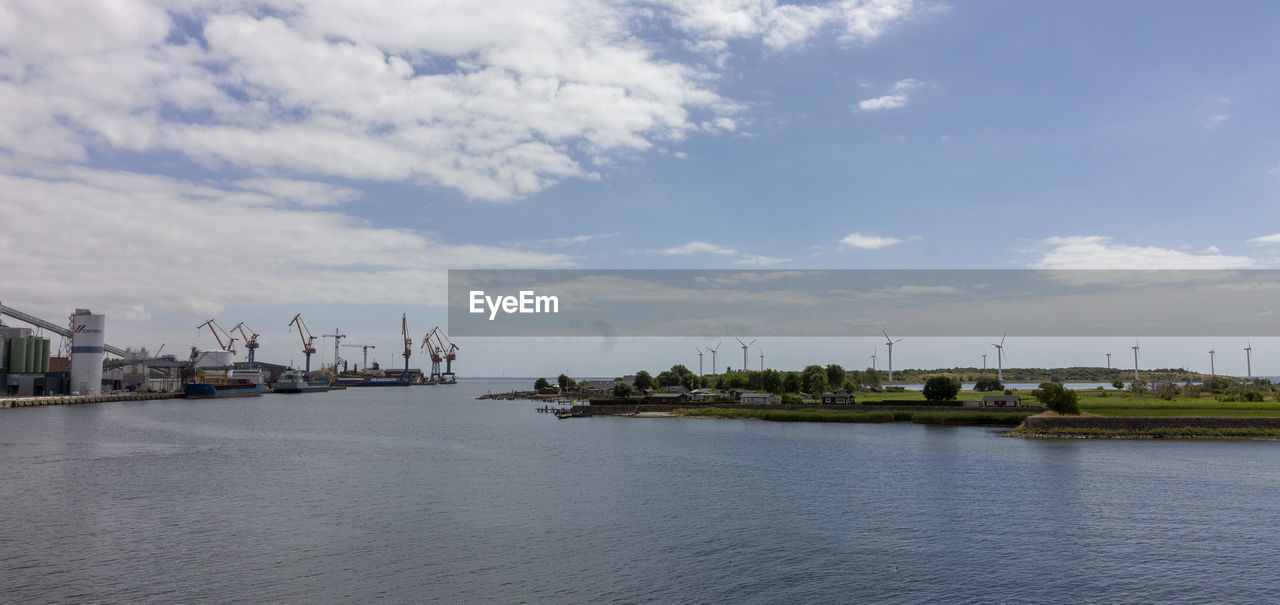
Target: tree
{"points": [[540, 384], [791, 383], [988, 383], [807, 375], [566, 383], [771, 381], [871, 378], [643, 380], [668, 379], [1057, 398], [736, 381], [835, 377], [941, 388], [621, 389], [818, 384], [690, 381]]}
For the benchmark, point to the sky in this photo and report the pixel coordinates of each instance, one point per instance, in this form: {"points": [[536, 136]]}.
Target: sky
{"points": [[166, 163]]}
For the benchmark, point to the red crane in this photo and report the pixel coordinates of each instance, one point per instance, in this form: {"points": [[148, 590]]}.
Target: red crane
{"points": [[442, 349], [218, 334], [307, 339]]}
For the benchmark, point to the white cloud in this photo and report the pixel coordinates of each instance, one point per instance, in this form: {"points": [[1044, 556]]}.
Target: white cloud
{"points": [[1098, 252], [497, 100], [1274, 238], [577, 239], [757, 260], [897, 98], [867, 242], [130, 243], [782, 26], [698, 248]]}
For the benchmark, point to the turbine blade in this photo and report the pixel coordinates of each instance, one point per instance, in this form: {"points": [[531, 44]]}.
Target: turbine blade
{"points": [[753, 341], [740, 341], [1002, 337], [898, 340]]}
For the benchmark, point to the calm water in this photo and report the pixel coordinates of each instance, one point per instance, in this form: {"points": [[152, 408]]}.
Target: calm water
{"points": [[423, 494]]}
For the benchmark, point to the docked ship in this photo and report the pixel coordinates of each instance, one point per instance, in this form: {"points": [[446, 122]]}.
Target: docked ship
{"points": [[372, 382], [229, 383], [293, 382], [215, 378]]}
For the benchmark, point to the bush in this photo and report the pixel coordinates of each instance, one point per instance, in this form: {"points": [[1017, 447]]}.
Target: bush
{"points": [[941, 388], [1117, 384], [988, 383], [792, 399], [1057, 398], [621, 389], [540, 385]]}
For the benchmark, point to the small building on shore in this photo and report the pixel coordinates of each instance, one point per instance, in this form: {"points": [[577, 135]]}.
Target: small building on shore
{"points": [[666, 398], [1001, 401], [841, 397], [755, 398]]}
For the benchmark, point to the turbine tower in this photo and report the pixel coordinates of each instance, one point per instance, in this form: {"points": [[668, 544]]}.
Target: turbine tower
{"points": [[984, 361], [1108, 361], [873, 360], [1212, 371], [890, 342], [761, 360], [713, 356], [1000, 358], [1248, 360], [699, 361], [1135, 361], [744, 352]]}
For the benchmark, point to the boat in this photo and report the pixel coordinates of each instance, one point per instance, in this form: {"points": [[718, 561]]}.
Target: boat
{"points": [[293, 382], [372, 382], [219, 384]]}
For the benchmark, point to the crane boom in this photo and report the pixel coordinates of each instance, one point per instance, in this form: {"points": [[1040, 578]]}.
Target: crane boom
{"points": [[230, 345], [307, 340]]}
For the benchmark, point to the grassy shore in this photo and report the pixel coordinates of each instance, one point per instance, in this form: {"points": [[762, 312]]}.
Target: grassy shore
{"points": [[957, 417], [1123, 403]]}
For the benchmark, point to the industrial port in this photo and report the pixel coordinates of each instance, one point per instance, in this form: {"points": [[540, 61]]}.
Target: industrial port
{"points": [[82, 368]]}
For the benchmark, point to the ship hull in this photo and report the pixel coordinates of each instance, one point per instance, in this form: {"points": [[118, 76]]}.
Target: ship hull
{"points": [[219, 391]]}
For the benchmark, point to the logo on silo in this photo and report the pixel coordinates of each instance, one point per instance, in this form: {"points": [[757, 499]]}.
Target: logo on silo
{"points": [[85, 329]]}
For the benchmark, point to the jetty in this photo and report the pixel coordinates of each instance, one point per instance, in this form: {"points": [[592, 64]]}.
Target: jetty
{"points": [[26, 402]]}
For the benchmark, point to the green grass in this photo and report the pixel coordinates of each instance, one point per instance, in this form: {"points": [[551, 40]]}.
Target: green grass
{"points": [[958, 417], [1174, 433], [1125, 404]]}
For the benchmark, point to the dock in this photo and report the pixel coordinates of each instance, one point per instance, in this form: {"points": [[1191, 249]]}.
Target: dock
{"points": [[26, 402]]}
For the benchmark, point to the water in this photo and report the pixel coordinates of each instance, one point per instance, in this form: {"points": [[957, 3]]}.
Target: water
{"points": [[422, 494]]}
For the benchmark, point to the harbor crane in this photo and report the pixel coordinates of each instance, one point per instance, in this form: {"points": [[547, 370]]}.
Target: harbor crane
{"points": [[308, 341], [250, 340], [408, 344], [441, 349], [434, 353], [337, 337], [219, 334], [366, 353]]}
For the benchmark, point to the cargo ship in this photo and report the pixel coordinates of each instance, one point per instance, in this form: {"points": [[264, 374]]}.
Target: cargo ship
{"points": [[216, 385], [372, 382]]}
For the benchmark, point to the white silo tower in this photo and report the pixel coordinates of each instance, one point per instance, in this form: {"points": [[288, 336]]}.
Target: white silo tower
{"points": [[87, 340]]}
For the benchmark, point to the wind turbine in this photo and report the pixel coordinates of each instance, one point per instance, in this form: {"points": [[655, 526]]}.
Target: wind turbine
{"points": [[873, 359], [1000, 358], [1135, 361], [1108, 361], [761, 360], [713, 356], [890, 342], [1248, 360], [699, 361], [984, 361], [1212, 370], [744, 352]]}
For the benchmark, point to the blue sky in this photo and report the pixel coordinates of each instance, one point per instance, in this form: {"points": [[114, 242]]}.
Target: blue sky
{"points": [[165, 163]]}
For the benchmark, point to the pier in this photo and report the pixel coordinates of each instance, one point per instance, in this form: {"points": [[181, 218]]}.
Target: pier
{"points": [[26, 402]]}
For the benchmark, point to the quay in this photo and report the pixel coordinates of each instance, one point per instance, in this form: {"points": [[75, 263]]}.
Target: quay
{"points": [[25, 402]]}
